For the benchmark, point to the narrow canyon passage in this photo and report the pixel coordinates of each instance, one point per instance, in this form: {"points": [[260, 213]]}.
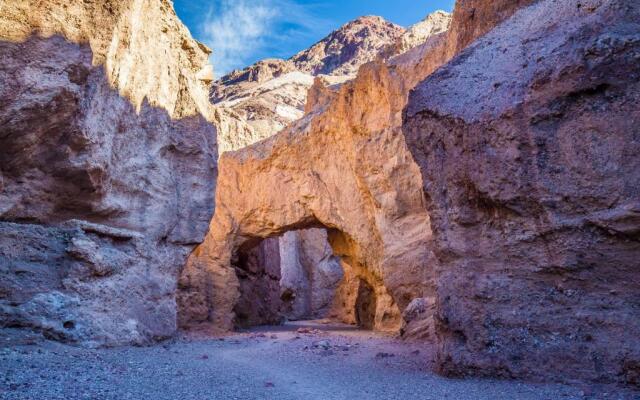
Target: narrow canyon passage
{"points": [[448, 209], [295, 277]]}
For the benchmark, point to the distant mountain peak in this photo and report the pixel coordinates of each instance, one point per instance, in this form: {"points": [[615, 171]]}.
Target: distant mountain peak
{"points": [[344, 50]]}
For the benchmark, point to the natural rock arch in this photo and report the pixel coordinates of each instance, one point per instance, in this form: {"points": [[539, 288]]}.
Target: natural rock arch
{"points": [[209, 284], [354, 175], [345, 165]]}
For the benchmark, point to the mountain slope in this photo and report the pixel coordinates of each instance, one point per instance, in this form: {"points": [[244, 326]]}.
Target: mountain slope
{"points": [[272, 93], [346, 49]]}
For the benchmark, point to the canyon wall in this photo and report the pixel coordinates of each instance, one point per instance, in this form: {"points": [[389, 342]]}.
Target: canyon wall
{"points": [[527, 143], [311, 275], [532, 227], [345, 167], [107, 167], [272, 94]]}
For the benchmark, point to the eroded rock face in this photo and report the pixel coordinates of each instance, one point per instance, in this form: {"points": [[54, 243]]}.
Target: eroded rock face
{"points": [[527, 143], [107, 164], [271, 95], [418, 320], [344, 167]]}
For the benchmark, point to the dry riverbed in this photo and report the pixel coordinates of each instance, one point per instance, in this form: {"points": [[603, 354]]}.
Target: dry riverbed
{"points": [[298, 361]]}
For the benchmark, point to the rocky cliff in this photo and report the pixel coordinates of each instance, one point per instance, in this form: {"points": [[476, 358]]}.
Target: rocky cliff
{"points": [[107, 166], [527, 144], [524, 236], [271, 95]]}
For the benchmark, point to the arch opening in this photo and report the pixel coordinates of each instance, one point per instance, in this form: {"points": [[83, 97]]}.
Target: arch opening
{"points": [[297, 276]]}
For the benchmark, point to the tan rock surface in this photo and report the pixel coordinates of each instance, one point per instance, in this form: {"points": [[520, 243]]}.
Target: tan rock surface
{"points": [[271, 94], [346, 49], [131, 40]]}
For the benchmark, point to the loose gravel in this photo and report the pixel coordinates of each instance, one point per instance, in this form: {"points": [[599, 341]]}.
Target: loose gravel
{"points": [[296, 361]]}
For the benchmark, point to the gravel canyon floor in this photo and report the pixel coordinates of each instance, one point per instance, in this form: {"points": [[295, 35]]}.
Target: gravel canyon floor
{"points": [[310, 360]]}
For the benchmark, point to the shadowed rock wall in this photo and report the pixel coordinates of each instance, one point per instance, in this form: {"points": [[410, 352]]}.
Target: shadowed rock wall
{"points": [[107, 172], [528, 142]]}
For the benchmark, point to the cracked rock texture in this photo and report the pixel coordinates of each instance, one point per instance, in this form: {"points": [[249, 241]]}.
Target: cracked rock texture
{"points": [[107, 167], [527, 142]]}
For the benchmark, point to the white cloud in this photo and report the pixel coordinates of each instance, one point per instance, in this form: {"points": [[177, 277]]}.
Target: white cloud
{"points": [[238, 30]]}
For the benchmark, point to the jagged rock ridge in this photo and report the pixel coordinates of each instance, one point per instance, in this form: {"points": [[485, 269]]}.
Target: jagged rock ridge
{"points": [[346, 49], [271, 94]]}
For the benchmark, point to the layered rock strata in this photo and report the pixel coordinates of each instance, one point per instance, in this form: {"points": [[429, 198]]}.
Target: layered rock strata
{"points": [[527, 143], [107, 167]]}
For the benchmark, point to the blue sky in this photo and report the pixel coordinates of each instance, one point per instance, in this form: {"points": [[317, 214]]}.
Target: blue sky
{"points": [[241, 32]]}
